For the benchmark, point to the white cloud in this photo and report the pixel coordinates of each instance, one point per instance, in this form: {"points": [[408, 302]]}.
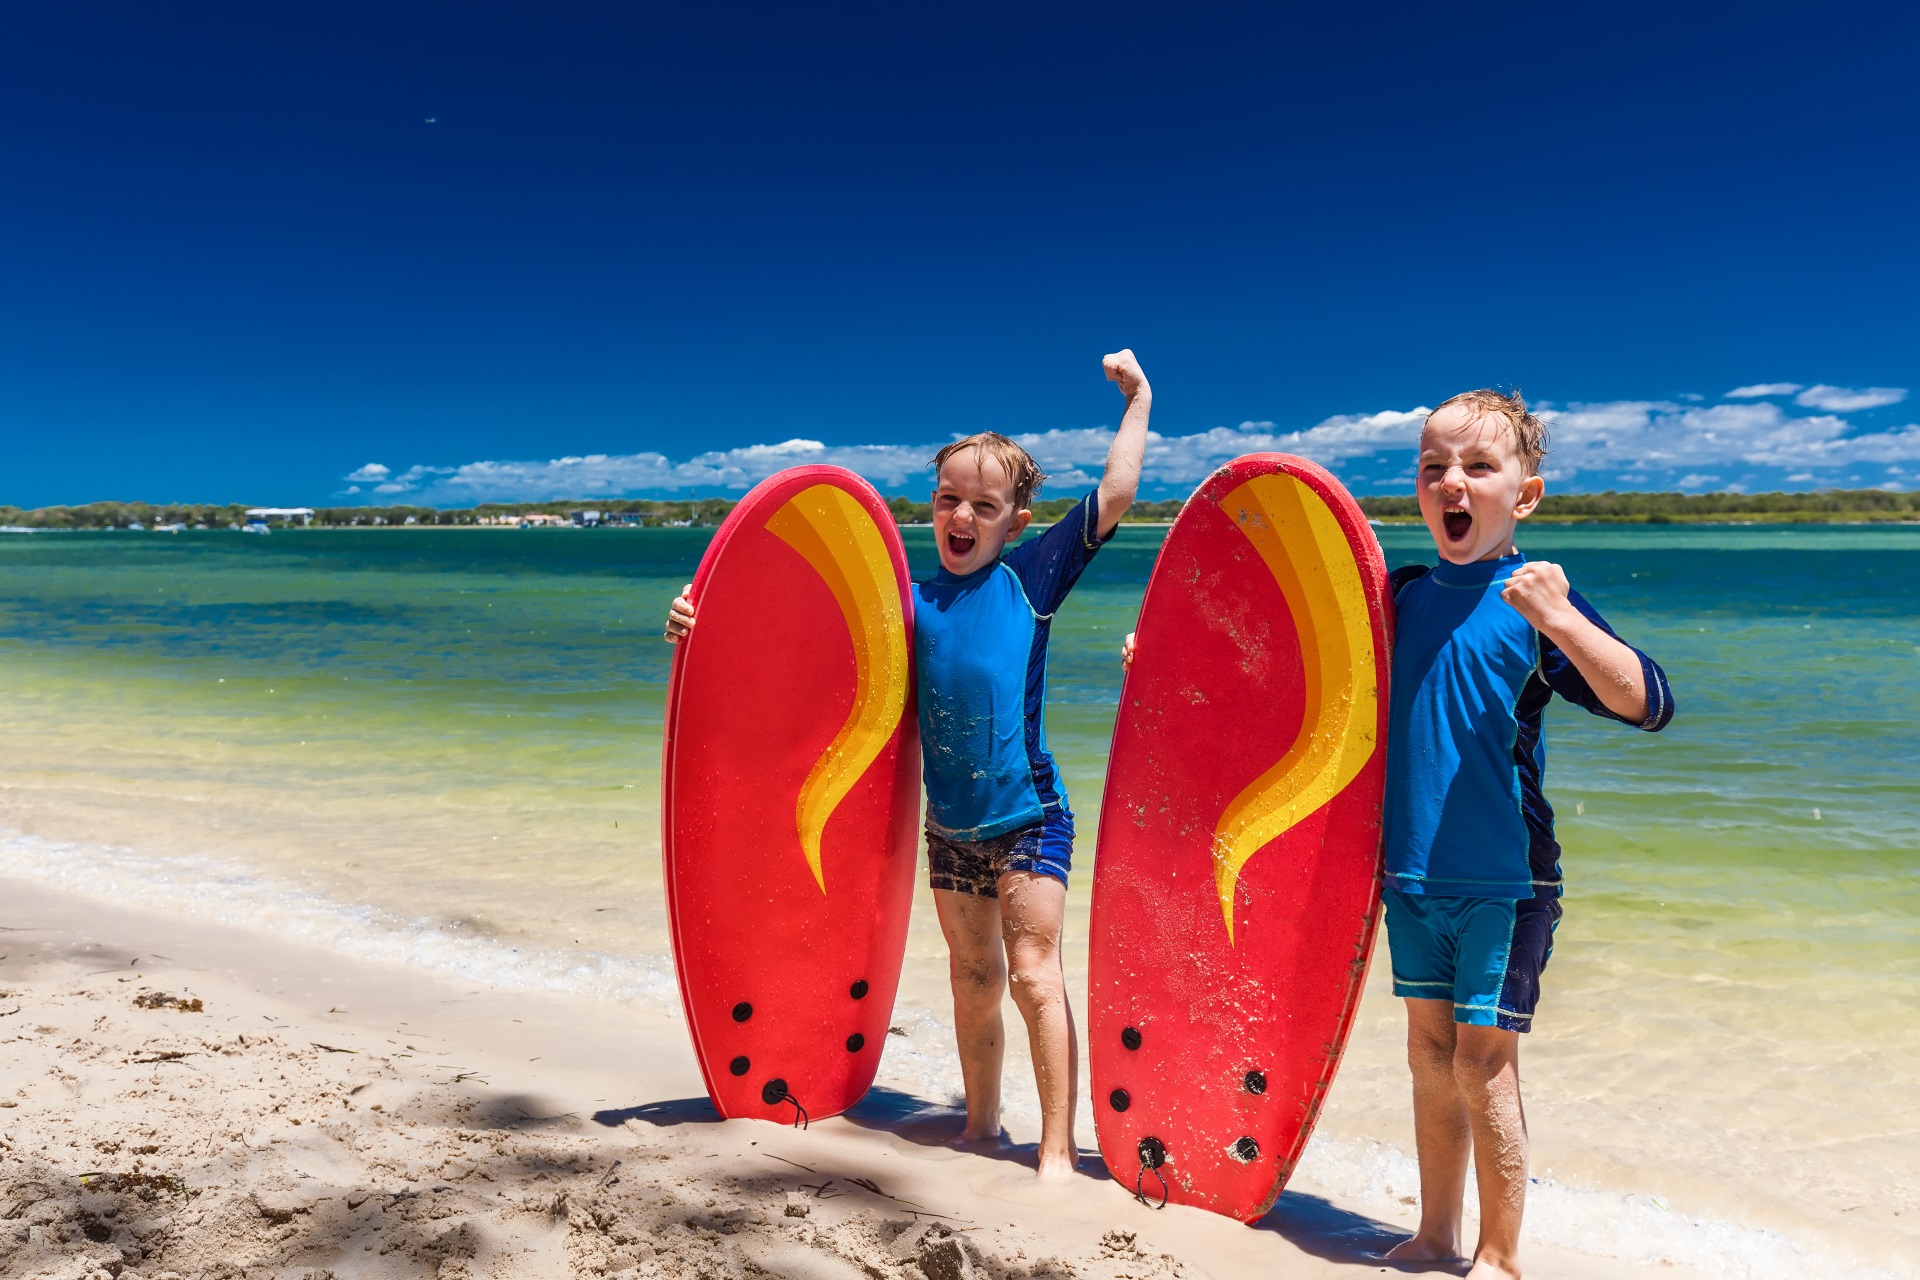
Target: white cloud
{"points": [[1662, 436], [1639, 443], [1077, 457], [1759, 389], [1849, 399], [610, 475], [1072, 458]]}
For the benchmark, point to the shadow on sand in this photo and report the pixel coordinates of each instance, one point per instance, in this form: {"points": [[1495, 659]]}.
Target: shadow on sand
{"points": [[662, 1115], [931, 1124], [1310, 1223], [1318, 1226], [911, 1119]]}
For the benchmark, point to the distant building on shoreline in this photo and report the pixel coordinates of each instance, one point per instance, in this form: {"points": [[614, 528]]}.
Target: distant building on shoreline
{"points": [[284, 515]]}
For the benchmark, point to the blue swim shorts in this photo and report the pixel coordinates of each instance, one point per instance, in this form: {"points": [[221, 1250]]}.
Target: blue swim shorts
{"points": [[1484, 954], [975, 866]]}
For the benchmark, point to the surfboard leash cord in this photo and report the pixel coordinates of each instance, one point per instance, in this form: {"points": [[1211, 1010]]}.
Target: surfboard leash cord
{"points": [[776, 1092], [1153, 1154]]}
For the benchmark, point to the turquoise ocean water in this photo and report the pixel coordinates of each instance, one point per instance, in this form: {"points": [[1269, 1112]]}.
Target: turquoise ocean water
{"points": [[442, 746]]}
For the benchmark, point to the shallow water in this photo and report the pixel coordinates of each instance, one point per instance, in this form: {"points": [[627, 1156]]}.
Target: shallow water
{"points": [[443, 747]]}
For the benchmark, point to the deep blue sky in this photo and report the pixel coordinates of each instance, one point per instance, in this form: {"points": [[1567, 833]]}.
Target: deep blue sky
{"points": [[239, 263]]}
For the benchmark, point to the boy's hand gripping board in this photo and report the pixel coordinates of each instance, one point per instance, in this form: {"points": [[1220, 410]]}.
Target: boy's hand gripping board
{"points": [[1236, 882], [789, 794]]}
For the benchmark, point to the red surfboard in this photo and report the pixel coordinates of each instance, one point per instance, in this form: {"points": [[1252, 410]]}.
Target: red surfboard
{"points": [[1236, 881], [789, 795]]}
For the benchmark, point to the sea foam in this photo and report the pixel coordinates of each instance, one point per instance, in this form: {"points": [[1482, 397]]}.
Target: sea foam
{"points": [[206, 889], [1634, 1227]]}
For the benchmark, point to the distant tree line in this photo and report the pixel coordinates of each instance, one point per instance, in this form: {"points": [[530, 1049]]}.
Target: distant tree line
{"points": [[1836, 505], [122, 515], [634, 511]]}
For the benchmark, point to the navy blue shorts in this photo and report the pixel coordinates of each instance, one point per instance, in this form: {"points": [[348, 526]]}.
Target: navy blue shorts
{"points": [[1484, 954], [975, 866]]}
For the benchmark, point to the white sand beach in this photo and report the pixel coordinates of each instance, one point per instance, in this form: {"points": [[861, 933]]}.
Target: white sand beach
{"points": [[323, 1116]]}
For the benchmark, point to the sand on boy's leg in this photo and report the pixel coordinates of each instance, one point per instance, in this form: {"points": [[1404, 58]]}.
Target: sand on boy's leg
{"points": [[977, 970], [1032, 917], [986, 937], [1466, 1098]]}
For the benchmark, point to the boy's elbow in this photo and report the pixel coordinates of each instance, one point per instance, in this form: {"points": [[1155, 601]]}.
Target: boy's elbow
{"points": [[1658, 713]]}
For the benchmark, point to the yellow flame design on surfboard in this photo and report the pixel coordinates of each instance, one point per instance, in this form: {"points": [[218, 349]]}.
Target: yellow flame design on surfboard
{"points": [[1320, 579], [837, 536]]}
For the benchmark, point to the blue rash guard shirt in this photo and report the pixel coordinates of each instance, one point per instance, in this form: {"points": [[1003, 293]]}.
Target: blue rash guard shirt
{"points": [[980, 650], [1465, 813]]}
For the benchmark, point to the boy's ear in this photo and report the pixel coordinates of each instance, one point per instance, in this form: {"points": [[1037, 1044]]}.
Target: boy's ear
{"points": [[1532, 489], [1021, 519]]}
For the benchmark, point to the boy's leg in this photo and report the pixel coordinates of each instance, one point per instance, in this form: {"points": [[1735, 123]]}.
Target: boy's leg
{"points": [[1486, 1066], [978, 973], [1032, 915], [1442, 1132]]}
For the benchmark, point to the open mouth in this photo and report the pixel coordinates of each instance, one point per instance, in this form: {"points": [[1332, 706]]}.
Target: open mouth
{"points": [[960, 545], [1457, 524]]}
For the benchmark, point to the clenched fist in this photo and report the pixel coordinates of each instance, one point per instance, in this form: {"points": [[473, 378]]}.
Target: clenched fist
{"points": [[1123, 369], [1538, 592]]}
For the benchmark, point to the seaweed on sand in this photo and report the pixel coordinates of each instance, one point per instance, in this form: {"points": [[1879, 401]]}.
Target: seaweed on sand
{"points": [[161, 1000]]}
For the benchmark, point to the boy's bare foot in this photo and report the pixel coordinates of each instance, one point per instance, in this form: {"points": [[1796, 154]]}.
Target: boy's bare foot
{"points": [[1057, 1168], [994, 1141], [1415, 1251], [1487, 1268]]}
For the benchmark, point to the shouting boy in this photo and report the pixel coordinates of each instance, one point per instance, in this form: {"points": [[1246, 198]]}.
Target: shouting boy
{"points": [[1484, 640], [999, 831]]}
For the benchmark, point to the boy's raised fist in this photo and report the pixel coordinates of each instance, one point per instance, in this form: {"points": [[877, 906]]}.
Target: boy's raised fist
{"points": [[1123, 368], [1538, 590]]}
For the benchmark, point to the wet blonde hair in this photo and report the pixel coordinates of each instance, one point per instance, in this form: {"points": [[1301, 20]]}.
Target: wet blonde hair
{"points": [[1529, 432], [1015, 461]]}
